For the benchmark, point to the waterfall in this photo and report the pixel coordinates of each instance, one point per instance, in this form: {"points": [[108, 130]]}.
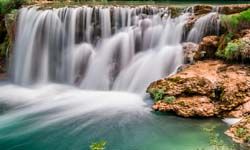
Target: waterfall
{"points": [[99, 48], [205, 25]]}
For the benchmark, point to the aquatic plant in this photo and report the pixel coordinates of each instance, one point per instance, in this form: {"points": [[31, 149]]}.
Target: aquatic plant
{"points": [[215, 140], [101, 145]]}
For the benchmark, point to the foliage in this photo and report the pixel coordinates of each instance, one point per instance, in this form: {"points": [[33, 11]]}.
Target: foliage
{"points": [[7, 6], [98, 145], [169, 99], [157, 94], [234, 21], [233, 50]]}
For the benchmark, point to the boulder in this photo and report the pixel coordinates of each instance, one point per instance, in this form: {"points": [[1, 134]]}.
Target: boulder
{"points": [[189, 49], [208, 47], [224, 88], [198, 106]]}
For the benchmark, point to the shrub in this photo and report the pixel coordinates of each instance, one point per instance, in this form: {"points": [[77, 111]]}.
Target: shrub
{"points": [[98, 145], [233, 50], [157, 94]]}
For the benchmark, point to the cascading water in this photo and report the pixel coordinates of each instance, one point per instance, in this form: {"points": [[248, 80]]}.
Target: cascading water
{"points": [[80, 76], [97, 48]]}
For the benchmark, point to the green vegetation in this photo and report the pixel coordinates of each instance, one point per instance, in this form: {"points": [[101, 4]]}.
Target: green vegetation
{"points": [[101, 145], [169, 99], [157, 94], [7, 6], [232, 49], [235, 50], [234, 22]]}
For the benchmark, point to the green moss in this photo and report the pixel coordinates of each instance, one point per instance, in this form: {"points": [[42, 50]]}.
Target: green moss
{"points": [[233, 22], [232, 50], [169, 99], [156, 94], [223, 43]]}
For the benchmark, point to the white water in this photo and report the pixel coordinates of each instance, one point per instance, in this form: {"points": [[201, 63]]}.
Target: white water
{"points": [[206, 24], [97, 48], [79, 75]]}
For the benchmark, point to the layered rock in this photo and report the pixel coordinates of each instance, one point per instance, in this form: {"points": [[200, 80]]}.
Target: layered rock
{"points": [[207, 88], [208, 47]]}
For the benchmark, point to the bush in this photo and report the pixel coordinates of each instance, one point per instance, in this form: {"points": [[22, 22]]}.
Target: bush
{"points": [[98, 145], [233, 50], [157, 94]]}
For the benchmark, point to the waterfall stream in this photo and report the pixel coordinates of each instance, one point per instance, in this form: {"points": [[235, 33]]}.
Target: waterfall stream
{"points": [[118, 48], [79, 75]]}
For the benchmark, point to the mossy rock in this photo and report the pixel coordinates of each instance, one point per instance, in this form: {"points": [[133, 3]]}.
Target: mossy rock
{"points": [[236, 22]]}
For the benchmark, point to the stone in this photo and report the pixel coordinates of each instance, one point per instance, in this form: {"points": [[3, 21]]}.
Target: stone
{"points": [[224, 88], [208, 47], [189, 49]]}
